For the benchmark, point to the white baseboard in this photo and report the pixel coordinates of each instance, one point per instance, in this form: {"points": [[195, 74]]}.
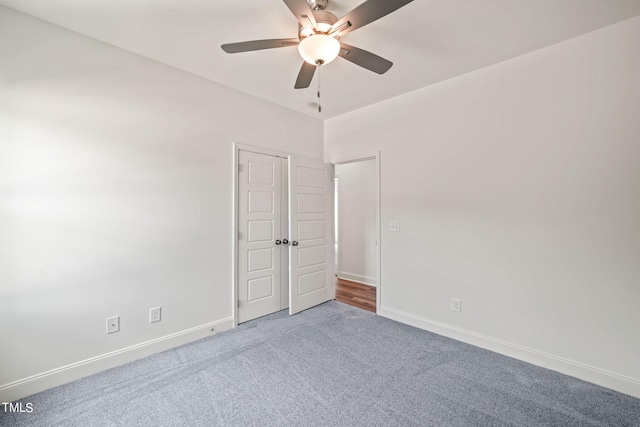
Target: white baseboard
{"points": [[371, 281], [55, 377], [602, 377]]}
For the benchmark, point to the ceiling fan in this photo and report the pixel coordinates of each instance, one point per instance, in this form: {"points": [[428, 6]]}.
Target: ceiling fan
{"points": [[319, 32]]}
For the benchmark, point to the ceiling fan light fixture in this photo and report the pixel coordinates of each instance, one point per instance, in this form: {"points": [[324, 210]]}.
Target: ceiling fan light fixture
{"points": [[319, 49], [323, 27]]}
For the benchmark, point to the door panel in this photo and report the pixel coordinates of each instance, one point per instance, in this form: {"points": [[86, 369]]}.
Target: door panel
{"points": [[311, 177], [311, 203], [308, 230], [260, 259], [262, 173], [261, 201], [259, 225], [259, 289], [310, 214], [260, 230], [312, 255]]}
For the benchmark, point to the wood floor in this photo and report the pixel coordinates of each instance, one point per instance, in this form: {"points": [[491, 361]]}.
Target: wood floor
{"points": [[356, 294]]}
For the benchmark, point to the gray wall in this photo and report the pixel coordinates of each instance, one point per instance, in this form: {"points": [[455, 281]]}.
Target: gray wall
{"points": [[518, 191], [115, 196]]}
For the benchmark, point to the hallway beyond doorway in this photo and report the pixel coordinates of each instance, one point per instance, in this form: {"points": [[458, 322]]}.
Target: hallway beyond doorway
{"points": [[356, 294]]}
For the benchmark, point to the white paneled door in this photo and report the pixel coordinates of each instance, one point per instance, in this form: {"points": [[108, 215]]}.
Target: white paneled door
{"points": [[311, 252], [285, 221], [262, 281]]}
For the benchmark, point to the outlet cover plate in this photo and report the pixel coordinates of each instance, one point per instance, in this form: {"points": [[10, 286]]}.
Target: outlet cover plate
{"points": [[155, 314], [113, 324]]}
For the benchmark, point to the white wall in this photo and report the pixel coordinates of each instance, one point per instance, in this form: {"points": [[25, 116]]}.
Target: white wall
{"points": [[357, 221], [518, 191], [115, 196]]}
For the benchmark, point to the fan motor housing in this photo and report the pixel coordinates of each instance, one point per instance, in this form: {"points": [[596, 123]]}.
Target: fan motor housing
{"points": [[318, 4], [323, 18]]}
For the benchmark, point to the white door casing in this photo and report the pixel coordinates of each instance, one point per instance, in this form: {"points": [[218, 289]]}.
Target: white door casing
{"points": [[260, 214], [311, 275]]}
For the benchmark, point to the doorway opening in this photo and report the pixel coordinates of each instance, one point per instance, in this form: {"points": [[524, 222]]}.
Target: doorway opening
{"points": [[357, 231]]}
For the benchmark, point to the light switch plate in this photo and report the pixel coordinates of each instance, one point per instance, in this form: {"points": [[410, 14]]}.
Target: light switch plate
{"points": [[394, 226]]}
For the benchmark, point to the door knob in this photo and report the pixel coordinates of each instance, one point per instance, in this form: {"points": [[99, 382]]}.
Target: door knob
{"points": [[285, 241], [278, 242], [294, 243]]}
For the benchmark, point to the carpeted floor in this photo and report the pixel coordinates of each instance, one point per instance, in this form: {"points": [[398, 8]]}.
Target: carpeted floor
{"points": [[333, 365]]}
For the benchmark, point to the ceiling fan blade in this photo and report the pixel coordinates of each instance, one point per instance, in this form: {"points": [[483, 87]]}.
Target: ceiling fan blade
{"points": [[302, 11], [366, 13], [305, 75], [258, 45], [365, 59]]}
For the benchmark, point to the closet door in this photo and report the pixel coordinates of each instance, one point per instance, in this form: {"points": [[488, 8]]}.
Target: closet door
{"points": [[260, 235], [311, 254]]}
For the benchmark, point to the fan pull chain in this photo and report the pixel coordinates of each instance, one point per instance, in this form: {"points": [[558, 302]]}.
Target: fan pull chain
{"points": [[318, 93]]}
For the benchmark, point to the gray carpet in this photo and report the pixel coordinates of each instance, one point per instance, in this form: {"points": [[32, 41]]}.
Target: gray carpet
{"points": [[333, 365]]}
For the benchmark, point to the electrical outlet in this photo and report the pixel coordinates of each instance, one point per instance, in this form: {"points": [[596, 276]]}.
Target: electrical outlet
{"points": [[154, 314], [394, 226], [456, 305], [113, 324]]}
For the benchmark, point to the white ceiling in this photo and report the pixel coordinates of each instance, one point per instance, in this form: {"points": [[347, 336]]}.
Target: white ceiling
{"points": [[428, 40]]}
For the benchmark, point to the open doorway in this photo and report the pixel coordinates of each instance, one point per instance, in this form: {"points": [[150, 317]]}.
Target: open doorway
{"points": [[357, 237]]}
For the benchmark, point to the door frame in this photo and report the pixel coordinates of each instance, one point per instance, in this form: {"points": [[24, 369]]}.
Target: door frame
{"points": [[367, 155], [237, 147], [358, 157]]}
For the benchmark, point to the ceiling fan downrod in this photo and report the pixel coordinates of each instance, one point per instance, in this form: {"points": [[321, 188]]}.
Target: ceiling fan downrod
{"points": [[318, 4]]}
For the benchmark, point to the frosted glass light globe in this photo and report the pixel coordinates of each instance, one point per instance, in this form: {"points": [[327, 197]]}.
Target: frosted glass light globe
{"points": [[319, 49]]}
